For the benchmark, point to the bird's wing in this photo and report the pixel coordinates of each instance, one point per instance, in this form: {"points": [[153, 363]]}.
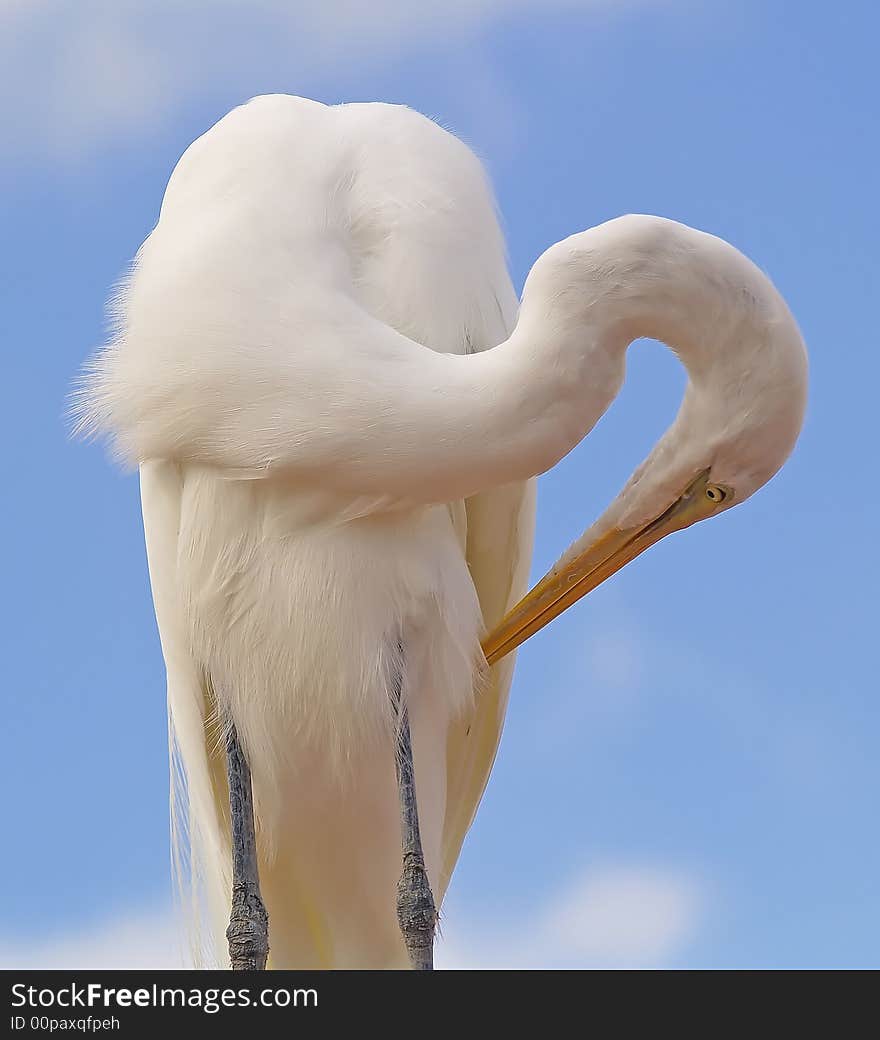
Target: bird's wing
{"points": [[500, 533], [199, 832]]}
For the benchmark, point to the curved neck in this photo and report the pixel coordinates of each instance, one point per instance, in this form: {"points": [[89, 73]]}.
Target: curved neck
{"points": [[585, 300], [637, 277]]}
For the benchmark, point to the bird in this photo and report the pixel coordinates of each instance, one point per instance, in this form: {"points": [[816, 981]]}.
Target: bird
{"points": [[338, 409]]}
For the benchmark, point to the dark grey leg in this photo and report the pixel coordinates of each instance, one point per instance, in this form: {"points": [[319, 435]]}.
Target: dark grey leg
{"points": [[415, 903], [248, 931]]}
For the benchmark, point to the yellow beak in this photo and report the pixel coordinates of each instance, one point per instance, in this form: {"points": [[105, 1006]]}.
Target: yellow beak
{"points": [[582, 570]]}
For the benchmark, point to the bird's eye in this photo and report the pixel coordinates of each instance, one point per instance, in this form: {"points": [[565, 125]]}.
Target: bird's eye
{"points": [[715, 493]]}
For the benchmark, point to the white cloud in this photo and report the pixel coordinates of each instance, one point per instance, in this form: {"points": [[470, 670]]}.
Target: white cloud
{"points": [[146, 941], [87, 75], [624, 916], [628, 916]]}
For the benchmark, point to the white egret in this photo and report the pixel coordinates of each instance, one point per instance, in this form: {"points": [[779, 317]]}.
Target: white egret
{"points": [[337, 490]]}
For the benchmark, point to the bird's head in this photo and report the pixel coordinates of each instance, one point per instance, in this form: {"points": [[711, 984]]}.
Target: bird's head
{"points": [[741, 413]]}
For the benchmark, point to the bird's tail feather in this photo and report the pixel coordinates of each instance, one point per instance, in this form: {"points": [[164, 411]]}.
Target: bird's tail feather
{"points": [[201, 858]]}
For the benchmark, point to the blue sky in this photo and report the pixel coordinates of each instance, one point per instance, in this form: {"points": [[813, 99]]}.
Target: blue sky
{"points": [[689, 772]]}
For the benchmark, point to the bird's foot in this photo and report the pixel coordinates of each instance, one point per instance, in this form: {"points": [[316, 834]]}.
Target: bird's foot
{"points": [[248, 931], [416, 913]]}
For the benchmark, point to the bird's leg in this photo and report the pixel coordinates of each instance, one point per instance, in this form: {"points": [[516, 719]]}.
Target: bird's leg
{"points": [[415, 903], [248, 931]]}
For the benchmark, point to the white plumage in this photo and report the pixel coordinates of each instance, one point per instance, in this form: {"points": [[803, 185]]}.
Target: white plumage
{"points": [[334, 464]]}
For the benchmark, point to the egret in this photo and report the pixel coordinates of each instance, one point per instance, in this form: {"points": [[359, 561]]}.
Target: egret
{"points": [[338, 409]]}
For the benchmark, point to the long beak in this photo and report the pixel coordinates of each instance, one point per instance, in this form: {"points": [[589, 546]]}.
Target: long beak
{"points": [[583, 569]]}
